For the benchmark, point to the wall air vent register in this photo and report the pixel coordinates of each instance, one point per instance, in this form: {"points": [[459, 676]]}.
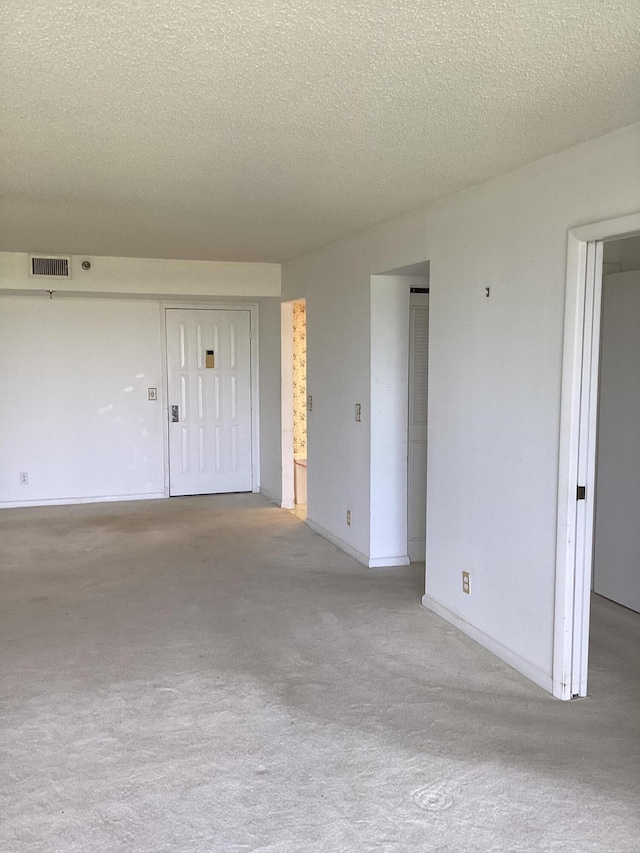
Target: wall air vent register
{"points": [[49, 267]]}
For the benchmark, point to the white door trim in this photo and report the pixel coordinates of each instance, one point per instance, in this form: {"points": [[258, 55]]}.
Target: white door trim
{"points": [[577, 457], [222, 305]]}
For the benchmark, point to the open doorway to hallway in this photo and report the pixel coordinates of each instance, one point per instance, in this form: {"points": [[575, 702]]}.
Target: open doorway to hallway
{"points": [[615, 599], [616, 558], [598, 537], [294, 407]]}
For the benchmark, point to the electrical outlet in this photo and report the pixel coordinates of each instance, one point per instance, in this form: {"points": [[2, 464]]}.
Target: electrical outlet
{"points": [[358, 412], [466, 586], [24, 478], [349, 517], [310, 403]]}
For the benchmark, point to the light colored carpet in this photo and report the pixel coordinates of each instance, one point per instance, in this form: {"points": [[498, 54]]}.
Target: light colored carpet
{"points": [[207, 674]]}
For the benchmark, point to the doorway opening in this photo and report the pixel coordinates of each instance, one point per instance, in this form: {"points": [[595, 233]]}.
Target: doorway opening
{"points": [[616, 562], [417, 426], [399, 390], [615, 599], [598, 399], [294, 407]]}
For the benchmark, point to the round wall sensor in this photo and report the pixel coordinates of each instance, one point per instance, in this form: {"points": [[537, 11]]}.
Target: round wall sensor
{"points": [[86, 265]]}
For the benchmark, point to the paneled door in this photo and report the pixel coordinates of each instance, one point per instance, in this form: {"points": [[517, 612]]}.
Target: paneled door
{"points": [[209, 397]]}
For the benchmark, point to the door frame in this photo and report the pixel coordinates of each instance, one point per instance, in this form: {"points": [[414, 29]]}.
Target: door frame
{"points": [[222, 305], [577, 453]]}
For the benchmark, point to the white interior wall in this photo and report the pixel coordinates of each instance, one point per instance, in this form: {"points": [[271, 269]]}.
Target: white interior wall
{"points": [[494, 394], [617, 532], [336, 283], [623, 254], [146, 277], [76, 368], [270, 415], [74, 375]]}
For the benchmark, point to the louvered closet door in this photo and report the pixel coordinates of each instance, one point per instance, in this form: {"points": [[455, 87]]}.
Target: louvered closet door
{"points": [[209, 381], [418, 399]]}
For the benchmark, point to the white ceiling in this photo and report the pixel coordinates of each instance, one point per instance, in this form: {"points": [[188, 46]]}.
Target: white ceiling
{"points": [[259, 129]]}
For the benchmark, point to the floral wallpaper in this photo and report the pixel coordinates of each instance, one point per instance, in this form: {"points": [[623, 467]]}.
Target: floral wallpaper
{"points": [[299, 378]]}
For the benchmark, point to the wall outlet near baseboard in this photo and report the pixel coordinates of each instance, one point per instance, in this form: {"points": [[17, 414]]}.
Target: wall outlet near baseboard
{"points": [[349, 517], [24, 478], [466, 588]]}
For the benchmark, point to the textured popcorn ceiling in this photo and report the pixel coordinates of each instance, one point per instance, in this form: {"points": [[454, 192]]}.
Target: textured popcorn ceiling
{"points": [[236, 130]]}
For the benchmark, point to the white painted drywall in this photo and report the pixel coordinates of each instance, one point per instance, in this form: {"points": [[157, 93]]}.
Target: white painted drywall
{"points": [[147, 276], [270, 419], [74, 375], [494, 386], [336, 284], [66, 362], [617, 531], [623, 254]]}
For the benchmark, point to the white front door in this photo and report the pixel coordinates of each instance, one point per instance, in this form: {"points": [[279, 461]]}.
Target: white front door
{"points": [[417, 438], [209, 396]]}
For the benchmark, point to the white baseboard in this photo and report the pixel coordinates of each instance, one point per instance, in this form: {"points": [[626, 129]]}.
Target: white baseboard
{"points": [[375, 563], [93, 500], [344, 546], [381, 562], [524, 667]]}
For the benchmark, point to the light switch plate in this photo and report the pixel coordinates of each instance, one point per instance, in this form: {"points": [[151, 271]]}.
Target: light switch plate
{"points": [[153, 393]]}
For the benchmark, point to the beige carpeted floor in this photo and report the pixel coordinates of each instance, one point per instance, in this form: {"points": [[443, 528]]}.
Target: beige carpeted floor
{"points": [[207, 674]]}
